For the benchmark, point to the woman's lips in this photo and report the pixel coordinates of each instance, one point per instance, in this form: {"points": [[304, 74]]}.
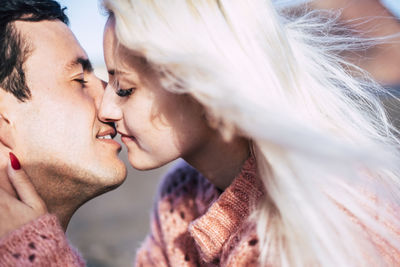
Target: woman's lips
{"points": [[126, 138]]}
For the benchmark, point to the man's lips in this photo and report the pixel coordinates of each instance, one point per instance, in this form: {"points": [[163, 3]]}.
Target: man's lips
{"points": [[107, 134]]}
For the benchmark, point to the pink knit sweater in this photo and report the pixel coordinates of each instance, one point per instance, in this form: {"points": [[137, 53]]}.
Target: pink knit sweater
{"points": [[193, 224], [39, 243]]}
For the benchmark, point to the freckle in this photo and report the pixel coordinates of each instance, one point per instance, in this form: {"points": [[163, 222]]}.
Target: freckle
{"points": [[215, 261], [16, 255], [187, 258], [253, 242], [32, 257], [182, 215]]}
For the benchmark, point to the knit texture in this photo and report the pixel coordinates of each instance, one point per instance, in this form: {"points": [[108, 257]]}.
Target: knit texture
{"points": [[194, 224], [39, 243]]}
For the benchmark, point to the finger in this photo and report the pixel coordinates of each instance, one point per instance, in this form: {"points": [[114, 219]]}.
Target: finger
{"points": [[23, 185], [5, 196], [6, 199]]}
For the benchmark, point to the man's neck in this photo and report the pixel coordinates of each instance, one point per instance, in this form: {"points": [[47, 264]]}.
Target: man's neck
{"points": [[66, 199], [64, 212], [63, 215]]}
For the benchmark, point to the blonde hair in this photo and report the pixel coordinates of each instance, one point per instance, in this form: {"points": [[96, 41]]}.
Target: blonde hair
{"points": [[325, 150]]}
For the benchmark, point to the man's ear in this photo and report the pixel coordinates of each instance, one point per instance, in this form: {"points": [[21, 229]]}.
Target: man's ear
{"points": [[6, 136], [6, 145], [8, 105]]}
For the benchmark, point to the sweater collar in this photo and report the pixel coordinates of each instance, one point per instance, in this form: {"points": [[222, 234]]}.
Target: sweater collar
{"points": [[226, 215]]}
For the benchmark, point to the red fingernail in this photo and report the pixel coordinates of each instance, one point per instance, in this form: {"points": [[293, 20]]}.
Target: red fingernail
{"points": [[14, 162]]}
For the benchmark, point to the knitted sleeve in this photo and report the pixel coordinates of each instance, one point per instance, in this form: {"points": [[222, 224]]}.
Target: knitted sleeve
{"points": [[41, 242], [152, 251], [157, 248]]}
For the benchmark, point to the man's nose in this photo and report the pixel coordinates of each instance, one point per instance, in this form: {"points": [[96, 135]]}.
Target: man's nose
{"points": [[109, 110], [95, 89]]}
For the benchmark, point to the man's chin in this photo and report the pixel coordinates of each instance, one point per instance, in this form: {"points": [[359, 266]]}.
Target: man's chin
{"points": [[110, 185], [110, 180]]}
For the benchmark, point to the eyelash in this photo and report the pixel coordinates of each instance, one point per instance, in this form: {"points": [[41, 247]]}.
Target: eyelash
{"points": [[125, 92], [83, 82]]}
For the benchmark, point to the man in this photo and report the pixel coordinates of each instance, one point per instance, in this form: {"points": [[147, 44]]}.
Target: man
{"points": [[48, 119]]}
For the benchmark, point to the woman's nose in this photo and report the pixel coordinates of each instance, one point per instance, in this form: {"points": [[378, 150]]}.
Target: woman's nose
{"points": [[109, 110]]}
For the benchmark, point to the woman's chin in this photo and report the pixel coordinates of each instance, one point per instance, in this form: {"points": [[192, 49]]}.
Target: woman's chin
{"points": [[143, 163]]}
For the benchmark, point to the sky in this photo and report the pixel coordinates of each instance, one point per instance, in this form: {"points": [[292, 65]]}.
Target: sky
{"points": [[393, 5], [87, 23]]}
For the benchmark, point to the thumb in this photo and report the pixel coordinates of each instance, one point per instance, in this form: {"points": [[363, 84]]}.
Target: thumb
{"points": [[23, 185]]}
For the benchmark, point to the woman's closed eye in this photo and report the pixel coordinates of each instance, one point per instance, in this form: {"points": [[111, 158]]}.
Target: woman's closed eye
{"points": [[125, 92]]}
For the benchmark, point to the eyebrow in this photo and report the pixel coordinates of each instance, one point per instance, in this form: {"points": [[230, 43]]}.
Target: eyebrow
{"points": [[84, 62]]}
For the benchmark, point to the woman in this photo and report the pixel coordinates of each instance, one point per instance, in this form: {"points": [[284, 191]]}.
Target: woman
{"points": [[297, 158]]}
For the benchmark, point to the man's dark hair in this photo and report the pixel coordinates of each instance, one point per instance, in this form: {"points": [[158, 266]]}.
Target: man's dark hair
{"points": [[14, 50]]}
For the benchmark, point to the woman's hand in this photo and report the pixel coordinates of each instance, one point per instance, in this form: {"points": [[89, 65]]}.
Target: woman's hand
{"points": [[16, 212]]}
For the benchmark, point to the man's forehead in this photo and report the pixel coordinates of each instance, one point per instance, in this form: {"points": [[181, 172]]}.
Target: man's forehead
{"points": [[53, 41], [36, 30], [49, 36]]}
